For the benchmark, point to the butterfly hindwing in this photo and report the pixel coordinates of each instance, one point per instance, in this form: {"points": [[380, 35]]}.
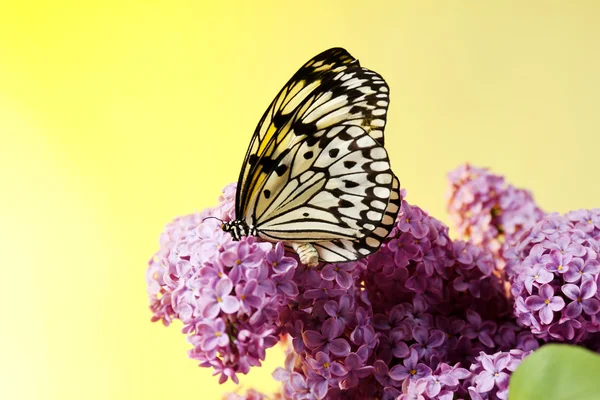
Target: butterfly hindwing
{"points": [[337, 193], [341, 250], [330, 90]]}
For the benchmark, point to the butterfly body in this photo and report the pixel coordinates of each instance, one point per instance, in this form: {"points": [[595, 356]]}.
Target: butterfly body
{"points": [[239, 228], [316, 175]]}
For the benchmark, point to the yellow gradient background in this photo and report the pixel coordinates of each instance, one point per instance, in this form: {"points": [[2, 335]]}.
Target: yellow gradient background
{"points": [[116, 116]]}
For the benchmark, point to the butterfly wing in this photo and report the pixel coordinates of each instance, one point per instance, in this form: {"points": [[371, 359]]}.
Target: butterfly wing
{"points": [[341, 250], [337, 192], [332, 89]]}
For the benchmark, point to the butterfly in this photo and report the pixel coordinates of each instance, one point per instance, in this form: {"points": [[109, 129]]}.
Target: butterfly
{"points": [[316, 175]]}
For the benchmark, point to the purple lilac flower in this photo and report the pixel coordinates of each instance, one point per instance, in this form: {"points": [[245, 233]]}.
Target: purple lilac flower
{"points": [[219, 300], [410, 368], [404, 249], [477, 328], [339, 272], [284, 283], [427, 341], [241, 256], [537, 274], [405, 321], [488, 211], [397, 308], [557, 261], [250, 394], [342, 311], [398, 339], [223, 291], [213, 334], [327, 339], [445, 380], [324, 366], [277, 260], [415, 390], [356, 368], [551, 272], [582, 270], [583, 299], [490, 374], [546, 303], [299, 386], [246, 296], [318, 384], [284, 374], [493, 373]]}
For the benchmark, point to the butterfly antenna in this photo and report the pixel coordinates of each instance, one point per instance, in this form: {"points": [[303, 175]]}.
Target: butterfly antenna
{"points": [[212, 217]]}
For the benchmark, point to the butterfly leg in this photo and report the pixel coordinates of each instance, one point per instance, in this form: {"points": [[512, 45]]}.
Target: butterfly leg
{"points": [[307, 253]]}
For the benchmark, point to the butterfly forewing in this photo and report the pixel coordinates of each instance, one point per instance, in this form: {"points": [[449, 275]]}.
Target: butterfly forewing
{"points": [[331, 90]]}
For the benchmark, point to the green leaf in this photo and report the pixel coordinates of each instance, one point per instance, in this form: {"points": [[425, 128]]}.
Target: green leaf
{"points": [[557, 372]]}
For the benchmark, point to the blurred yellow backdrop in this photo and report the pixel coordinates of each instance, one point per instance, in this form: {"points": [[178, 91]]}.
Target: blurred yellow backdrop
{"points": [[116, 116]]}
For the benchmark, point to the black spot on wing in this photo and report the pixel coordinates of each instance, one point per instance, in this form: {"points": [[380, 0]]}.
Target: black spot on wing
{"points": [[281, 169], [267, 163], [252, 160], [345, 203], [280, 120], [301, 129], [311, 140]]}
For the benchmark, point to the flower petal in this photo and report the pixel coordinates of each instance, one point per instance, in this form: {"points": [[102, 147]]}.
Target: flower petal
{"points": [[223, 287], [502, 380], [319, 388], [331, 308], [399, 372], [534, 303], [588, 288], [546, 291], [436, 339], [229, 304], [573, 310], [400, 350], [339, 347], [571, 291], [211, 310], [556, 303], [344, 279], [338, 370], [312, 339], [487, 362], [546, 315], [591, 306], [485, 382], [297, 382], [420, 334], [544, 276]]}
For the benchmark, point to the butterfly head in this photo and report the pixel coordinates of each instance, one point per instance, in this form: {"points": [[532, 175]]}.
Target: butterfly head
{"points": [[238, 229]]}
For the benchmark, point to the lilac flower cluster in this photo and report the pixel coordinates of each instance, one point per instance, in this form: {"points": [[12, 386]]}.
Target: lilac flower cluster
{"points": [[554, 270], [329, 322], [490, 374], [227, 294], [403, 323], [425, 317], [250, 394], [488, 211]]}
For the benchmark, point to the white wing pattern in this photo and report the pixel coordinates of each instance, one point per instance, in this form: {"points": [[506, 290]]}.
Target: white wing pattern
{"points": [[316, 170]]}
